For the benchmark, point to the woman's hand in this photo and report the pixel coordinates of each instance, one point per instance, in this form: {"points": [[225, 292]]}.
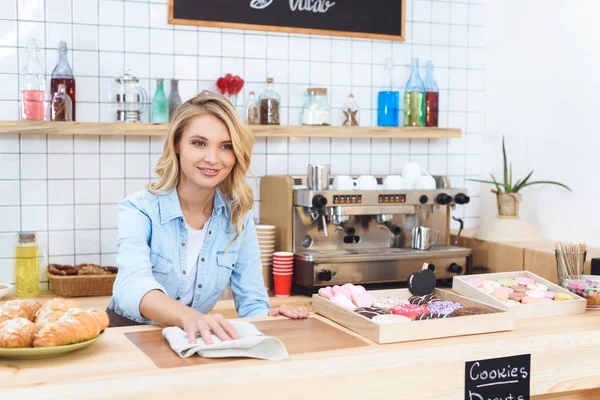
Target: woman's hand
{"points": [[290, 312], [195, 322]]}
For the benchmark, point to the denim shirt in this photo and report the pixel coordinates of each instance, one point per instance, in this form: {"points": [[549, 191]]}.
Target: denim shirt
{"points": [[152, 256]]}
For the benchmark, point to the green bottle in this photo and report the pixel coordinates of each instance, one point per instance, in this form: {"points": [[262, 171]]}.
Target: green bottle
{"points": [[160, 105]]}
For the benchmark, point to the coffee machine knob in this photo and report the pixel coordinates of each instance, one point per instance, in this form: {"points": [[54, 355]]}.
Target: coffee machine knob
{"points": [[324, 275], [319, 201], [423, 199], [462, 198], [443, 199], [455, 268]]}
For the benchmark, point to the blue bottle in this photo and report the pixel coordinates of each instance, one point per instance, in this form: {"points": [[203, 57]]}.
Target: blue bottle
{"points": [[388, 101]]}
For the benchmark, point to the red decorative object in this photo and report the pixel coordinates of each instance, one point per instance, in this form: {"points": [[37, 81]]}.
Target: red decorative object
{"points": [[230, 85]]}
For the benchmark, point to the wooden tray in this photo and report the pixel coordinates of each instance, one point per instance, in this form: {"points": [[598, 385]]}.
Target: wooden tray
{"points": [[299, 336], [498, 320], [527, 311]]}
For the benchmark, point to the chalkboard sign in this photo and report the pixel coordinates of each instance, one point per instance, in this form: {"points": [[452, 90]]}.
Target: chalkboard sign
{"points": [[376, 19], [505, 378]]}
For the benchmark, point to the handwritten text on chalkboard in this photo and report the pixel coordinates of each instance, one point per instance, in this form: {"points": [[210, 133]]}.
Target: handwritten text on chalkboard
{"points": [[506, 378]]}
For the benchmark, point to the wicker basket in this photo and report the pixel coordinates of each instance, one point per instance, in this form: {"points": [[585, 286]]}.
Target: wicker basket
{"points": [[82, 285]]}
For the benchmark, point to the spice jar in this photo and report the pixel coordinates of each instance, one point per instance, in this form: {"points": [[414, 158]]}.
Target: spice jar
{"points": [[251, 110], [350, 112], [316, 108], [269, 105]]}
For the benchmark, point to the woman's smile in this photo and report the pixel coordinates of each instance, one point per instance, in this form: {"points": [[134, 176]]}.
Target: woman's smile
{"points": [[209, 172]]}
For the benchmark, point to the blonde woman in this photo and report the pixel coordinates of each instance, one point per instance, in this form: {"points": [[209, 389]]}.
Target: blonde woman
{"points": [[190, 233]]}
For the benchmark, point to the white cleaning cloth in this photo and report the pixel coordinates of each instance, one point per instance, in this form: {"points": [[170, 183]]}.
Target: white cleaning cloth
{"points": [[252, 343]]}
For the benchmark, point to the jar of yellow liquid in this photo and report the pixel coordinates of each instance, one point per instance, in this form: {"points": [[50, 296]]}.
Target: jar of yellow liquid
{"points": [[27, 266]]}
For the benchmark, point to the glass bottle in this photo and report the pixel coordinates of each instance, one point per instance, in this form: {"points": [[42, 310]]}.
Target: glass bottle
{"points": [[160, 106], [33, 86], [27, 266], [388, 101], [316, 108], [269, 105], [62, 108], [251, 109], [431, 97], [351, 117], [174, 98], [414, 98], [63, 74]]}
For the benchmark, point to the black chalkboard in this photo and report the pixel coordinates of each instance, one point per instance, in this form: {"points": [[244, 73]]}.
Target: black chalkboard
{"points": [[378, 19], [505, 378]]}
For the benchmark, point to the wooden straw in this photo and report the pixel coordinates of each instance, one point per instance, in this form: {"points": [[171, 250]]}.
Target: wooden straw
{"points": [[570, 258]]}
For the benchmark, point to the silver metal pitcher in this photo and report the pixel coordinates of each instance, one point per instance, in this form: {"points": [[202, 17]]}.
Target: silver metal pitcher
{"points": [[318, 177], [422, 238]]}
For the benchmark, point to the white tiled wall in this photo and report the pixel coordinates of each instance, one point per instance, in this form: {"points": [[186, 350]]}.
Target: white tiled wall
{"points": [[67, 188]]}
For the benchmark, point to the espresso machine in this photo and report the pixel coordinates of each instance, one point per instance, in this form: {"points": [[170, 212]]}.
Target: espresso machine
{"points": [[362, 236]]}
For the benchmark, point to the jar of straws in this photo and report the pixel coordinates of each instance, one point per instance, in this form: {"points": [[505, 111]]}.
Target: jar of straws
{"points": [[570, 261]]}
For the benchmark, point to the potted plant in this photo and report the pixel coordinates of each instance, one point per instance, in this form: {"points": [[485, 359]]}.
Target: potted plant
{"points": [[508, 193]]}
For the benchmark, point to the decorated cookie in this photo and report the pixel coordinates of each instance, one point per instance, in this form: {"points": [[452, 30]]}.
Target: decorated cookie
{"points": [[388, 302], [424, 300], [516, 296], [410, 310], [422, 283], [505, 289], [465, 311], [563, 297], [475, 282], [550, 294], [512, 303], [535, 293], [530, 300], [326, 292], [358, 289], [545, 300], [343, 302], [500, 294], [390, 319], [343, 290], [490, 284], [443, 307], [362, 299], [538, 287], [507, 282], [371, 312], [524, 281], [487, 290], [519, 288]]}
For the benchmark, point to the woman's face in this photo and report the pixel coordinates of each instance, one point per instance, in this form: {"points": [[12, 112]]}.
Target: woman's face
{"points": [[205, 152]]}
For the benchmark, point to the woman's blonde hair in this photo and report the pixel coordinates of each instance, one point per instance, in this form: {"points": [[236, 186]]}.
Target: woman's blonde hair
{"points": [[235, 185]]}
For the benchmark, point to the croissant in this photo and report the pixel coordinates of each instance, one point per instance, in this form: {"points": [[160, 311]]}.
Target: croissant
{"points": [[53, 310], [75, 326], [21, 308], [90, 269], [18, 332]]}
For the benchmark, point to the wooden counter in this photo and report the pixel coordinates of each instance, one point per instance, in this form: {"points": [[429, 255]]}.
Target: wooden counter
{"points": [[564, 356], [536, 257]]}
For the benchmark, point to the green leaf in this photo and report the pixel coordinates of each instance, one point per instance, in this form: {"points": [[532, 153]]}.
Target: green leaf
{"points": [[494, 182], [509, 188], [520, 186], [546, 183], [505, 165], [498, 184]]}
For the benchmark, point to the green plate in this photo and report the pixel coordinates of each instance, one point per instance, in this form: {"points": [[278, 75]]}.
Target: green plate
{"points": [[44, 352]]}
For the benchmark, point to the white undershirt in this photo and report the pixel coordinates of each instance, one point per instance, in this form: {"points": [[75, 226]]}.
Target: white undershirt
{"points": [[193, 247]]}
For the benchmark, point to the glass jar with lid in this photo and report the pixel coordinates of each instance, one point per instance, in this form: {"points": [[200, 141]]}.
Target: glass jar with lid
{"points": [[316, 109], [269, 105], [131, 98], [251, 117]]}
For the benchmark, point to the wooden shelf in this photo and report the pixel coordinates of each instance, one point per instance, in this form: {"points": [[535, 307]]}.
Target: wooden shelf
{"points": [[103, 128]]}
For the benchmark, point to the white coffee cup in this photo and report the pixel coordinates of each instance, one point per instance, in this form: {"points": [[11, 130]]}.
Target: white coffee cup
{"points": [[343, 182], [393, 182], [426, 182], [411, 174], [366, 182]]}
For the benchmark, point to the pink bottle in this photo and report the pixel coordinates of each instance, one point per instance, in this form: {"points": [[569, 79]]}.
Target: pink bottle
{"points": [[33, 86]]}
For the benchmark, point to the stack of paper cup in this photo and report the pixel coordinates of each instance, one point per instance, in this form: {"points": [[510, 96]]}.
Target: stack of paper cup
{"points": [[266, 241], [283, 270]]}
